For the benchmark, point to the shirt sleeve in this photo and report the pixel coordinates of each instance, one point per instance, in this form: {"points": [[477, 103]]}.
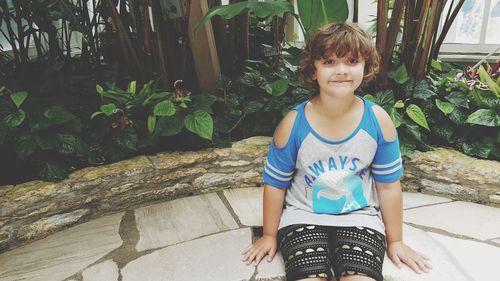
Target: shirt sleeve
{"points": [[280, 165], [387, 164]]}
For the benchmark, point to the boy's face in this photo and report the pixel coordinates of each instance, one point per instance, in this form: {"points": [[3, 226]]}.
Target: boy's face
{"points": [[339, 76]]}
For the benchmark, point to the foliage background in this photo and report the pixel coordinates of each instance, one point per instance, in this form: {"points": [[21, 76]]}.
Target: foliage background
{"points": [[116, 93]]}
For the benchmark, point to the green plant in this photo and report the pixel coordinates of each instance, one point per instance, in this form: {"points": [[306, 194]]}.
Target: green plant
{"points": [[162, 113], [49, 138], [255, 102], [407, 117], [449, 107], [466, 109]]}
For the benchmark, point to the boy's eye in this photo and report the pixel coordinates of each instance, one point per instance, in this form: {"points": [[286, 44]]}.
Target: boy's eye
{"points": [[352, 61], [327, 61]]}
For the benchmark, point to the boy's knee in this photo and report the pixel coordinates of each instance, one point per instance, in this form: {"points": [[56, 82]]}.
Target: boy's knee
{"points": [[355, 278], [314, 279]]}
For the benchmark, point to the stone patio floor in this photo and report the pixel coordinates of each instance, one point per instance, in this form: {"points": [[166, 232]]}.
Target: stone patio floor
{"points": [[202, 237]]}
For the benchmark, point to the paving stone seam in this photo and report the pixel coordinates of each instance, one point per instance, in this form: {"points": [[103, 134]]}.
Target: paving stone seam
{"points": [[431, 204], [450, 234], [254, 274], [230, 208], [125, 253]]}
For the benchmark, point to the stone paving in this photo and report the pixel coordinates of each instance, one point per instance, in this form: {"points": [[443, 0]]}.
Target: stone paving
{"points": [[202, 237]]}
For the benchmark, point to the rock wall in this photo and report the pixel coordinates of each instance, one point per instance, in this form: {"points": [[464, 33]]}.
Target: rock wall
{"points": [[35, 209]]}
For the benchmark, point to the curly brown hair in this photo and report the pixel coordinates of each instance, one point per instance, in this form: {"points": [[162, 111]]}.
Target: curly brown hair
{"points": [[339, 39]]}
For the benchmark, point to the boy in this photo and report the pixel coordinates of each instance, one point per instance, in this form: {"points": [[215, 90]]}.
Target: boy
{"points": [[335, 163]]}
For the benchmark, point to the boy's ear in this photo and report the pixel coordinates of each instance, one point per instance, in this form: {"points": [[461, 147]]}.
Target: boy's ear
{"points": [[313, 76]]}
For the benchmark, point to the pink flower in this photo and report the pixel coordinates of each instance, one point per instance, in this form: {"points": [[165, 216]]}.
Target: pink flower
{"points": [[459, 76], [176, 83], [118, 110]]}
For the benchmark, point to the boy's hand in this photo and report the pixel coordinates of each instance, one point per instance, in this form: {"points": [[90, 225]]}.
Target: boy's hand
{"points": [[398, 252], [258, 250]]}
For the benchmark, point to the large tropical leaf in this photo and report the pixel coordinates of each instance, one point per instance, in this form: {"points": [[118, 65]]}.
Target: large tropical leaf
{"points": [[260, 9], [316, 13]]}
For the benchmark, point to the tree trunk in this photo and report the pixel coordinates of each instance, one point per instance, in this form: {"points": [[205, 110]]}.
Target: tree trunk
{"points": [[449, 20], [383, 79]]}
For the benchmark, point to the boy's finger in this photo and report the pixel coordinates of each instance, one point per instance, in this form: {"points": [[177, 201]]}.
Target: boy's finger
{"points": [[258, 258], [413, 265], [423, 255], [395, 259], [428, 264], [422, 266], [247, 249], [270, 255]]}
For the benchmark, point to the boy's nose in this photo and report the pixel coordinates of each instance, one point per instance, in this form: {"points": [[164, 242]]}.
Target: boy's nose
{"points": [[341, 69]]}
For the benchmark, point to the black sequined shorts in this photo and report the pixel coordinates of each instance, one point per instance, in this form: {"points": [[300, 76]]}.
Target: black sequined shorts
{"points": [[314, 251]]}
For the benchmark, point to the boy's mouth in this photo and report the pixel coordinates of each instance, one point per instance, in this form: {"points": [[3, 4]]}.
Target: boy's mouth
{"points": [[341, 81]]}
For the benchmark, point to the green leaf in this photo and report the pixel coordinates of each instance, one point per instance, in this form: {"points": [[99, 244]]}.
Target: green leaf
{"points": [[314, 14], [370, 98], [260, 9], [99, 89], [132, 87], [19, 97], [416, 114], [397, 119], [164, 108], [399, 104], [25, 147], [169, 126], [480, 150], [146, 90], [58, 115], [445, 107], [407, 149], [127, 138], [46, 140], [53, 171], [151, 123], [385, 98], [95, 114], [458, 117], [15, 119], [200, 123], [253, 107], [458, 99], [107, 109], [203, 102], [413, 130], [423, 90], [401, 75], [277, 88], [485, 78], [485, 117], [436, 65], [155, 96], [444, 130], [67, 143]]}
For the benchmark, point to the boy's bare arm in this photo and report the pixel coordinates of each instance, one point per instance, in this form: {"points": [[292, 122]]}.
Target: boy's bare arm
{"points": [[268, 243], [391, 205], [273, 206]]}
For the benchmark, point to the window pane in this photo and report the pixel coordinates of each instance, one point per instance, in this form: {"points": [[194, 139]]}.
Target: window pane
{"points": [[493, 24], [4, 44], [467, 25]]}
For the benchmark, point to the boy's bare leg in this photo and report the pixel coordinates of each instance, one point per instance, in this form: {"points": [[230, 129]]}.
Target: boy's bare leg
{"points": [[356, 278]]}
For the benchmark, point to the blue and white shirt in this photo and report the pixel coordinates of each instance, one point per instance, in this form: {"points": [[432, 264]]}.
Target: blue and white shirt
{"points": [[332, 183]]}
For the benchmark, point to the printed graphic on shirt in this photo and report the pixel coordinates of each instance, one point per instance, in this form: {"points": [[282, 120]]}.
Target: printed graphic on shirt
{"points": [[337, 192]]}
